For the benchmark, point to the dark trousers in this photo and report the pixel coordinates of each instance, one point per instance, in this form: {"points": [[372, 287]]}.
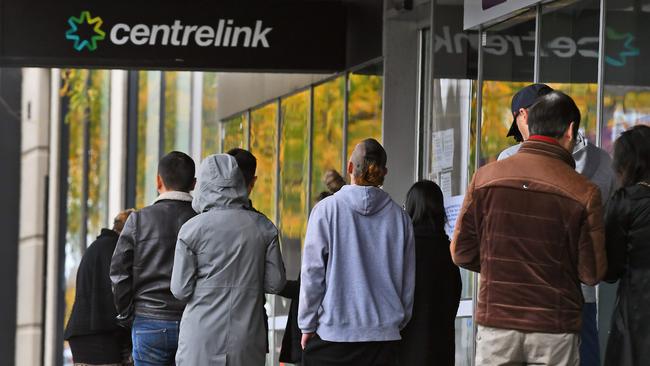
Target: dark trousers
{"points": [[102, 348], [589, 342], [323, 353], [154, 341]]}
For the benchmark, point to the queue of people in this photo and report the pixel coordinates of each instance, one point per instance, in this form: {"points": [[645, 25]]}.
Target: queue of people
{"points": [[380, 282]]}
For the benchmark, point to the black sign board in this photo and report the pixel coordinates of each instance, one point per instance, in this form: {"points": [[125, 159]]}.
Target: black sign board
{"points": [[213, 35]]}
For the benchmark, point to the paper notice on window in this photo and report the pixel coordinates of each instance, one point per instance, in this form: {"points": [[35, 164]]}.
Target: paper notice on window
{"points": [[445, 184], [452, 208], [443, 149]]}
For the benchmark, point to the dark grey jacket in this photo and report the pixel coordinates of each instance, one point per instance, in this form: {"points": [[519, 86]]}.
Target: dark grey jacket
{"points": [[141, 267]]}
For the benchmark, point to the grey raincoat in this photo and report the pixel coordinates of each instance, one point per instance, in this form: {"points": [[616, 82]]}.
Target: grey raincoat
{"points": [[226, 258]]}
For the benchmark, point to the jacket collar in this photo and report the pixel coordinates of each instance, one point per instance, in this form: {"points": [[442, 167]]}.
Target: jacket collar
{"points": [[174, 196], [553, 150]]}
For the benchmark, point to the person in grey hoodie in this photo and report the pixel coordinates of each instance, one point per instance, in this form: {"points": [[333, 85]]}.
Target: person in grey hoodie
{"points": [[596, 165], [226, 258], [358, 270]]}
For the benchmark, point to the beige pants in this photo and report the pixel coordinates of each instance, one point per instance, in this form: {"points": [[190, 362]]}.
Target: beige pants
{"points": [[503, 347]]}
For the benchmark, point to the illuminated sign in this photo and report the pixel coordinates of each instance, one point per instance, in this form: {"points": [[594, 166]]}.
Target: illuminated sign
{"points": [[283, 35]]}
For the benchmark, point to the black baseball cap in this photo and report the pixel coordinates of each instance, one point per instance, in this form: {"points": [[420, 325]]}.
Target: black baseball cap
{"points": [[524, 99]]}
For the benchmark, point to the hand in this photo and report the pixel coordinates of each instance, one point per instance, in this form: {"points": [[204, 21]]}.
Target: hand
{"points": [[305, 338]]}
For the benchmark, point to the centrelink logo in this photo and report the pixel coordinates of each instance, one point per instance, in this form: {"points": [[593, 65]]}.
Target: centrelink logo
{"points": [[85, 19], [225, 34]]}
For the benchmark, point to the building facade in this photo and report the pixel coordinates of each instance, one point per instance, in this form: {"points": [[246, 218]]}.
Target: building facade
{"points": [[431, 79]]}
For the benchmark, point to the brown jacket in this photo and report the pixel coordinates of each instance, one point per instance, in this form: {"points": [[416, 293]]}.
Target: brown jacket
{"points": [[533, 228]]}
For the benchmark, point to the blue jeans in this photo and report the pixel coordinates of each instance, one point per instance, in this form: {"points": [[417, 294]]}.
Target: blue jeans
{"points": [[589, 345], [154, 341]]}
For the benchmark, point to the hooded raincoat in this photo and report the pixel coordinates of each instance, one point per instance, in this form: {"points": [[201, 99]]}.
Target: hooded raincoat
{"points": [[226, 258]]}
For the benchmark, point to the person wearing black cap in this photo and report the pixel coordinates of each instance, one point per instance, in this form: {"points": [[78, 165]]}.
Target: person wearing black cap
{"points": [[358, 270], [521, 101], [593, 163]]}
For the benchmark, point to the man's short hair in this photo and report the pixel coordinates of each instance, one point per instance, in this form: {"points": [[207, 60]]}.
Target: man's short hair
{"points": [[177, 171], [552, 114], [247, 163]]}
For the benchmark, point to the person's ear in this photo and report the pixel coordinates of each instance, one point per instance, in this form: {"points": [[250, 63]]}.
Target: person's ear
{"points": [[193, 184], [350, 167], [252, 184], [523, 113], [569, 134], [385, 172], [160, 186]]}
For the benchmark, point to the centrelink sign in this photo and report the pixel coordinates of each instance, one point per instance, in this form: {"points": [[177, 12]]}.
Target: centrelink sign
{"points": [[256, 36], [176, 34]]}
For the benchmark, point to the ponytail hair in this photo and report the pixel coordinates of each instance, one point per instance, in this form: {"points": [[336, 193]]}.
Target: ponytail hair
{"points": [[372, 175]]}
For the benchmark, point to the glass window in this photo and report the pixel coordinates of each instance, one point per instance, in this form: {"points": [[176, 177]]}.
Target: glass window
{"points": [[84, 104], [235, 132], [509, 66], [447, 134], [74, 105], [148, 137], [178, 113], [211, 128], [294, 179], [327, 132], [569, 57], [365, 105], [627, 82], [264, 146], [464, 341], [294, 170], [98, 125]]}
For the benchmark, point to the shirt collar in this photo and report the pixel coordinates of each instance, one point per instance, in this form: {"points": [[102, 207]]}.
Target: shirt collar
{"points": [[546, 139]]}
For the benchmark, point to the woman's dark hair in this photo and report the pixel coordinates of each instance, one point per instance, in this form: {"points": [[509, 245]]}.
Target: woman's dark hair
{"points": [[247, 163], [425, 204], [632, 155]]}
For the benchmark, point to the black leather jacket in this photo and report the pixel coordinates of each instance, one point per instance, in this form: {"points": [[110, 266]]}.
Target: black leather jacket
{"points": [[141, 267]]}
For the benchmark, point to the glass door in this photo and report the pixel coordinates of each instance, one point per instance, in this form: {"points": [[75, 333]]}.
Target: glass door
{"points": [[447, 120]]}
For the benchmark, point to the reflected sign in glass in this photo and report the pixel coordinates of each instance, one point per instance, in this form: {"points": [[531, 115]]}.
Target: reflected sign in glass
{"points": [[571, 45]]}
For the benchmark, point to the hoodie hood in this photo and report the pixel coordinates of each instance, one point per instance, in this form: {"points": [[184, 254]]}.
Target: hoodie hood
{"points": [[365, 200], [219, 184]]}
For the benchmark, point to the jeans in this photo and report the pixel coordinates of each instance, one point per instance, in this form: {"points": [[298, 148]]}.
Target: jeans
{"points": [[589, 346], [154, 341]]}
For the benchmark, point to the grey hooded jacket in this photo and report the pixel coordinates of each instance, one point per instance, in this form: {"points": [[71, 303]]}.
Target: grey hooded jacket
{"points": [[226, 258]]}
